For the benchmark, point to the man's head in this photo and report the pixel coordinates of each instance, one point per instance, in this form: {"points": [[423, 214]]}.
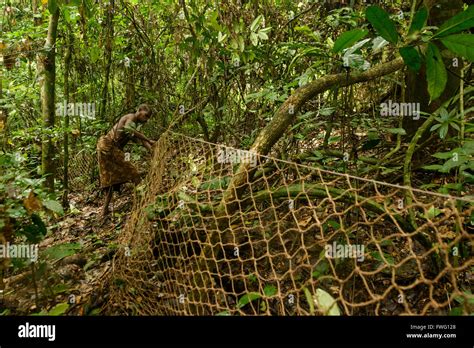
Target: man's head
{"points": [[143, 113]]}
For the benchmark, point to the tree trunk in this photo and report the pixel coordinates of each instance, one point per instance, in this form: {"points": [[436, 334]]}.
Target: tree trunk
{"points": [[3, 114], [109, 27], [129, 88], [67, 66], [48, 76], [416, 85]]}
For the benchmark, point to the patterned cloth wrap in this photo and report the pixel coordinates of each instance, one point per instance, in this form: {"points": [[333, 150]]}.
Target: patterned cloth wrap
{"points": [[113, 169]]}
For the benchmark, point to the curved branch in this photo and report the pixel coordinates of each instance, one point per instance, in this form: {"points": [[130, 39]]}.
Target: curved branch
{"points": [[286, 114]]}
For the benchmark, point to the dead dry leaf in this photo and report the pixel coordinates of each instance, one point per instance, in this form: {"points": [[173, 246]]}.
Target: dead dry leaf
{"points": [[32, 203]]}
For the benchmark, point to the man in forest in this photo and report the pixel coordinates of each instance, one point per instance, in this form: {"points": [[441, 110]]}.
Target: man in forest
{"points": [[114, 168]]}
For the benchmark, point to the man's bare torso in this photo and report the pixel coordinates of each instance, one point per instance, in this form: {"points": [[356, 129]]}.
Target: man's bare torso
{"points": [[118, 134]]}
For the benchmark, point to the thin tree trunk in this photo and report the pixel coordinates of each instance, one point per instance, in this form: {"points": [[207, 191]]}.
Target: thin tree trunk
{"points": [[3, 114], [129, 88], [67, 66], [108, 56], [48, 75]]}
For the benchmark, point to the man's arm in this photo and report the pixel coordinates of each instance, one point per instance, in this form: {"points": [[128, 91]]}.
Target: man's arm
{"points": [[141, 136], [147, 144], [138, 135], [134, 132]]}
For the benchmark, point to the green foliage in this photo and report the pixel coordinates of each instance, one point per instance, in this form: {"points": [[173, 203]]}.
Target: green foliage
{"points": [[321, 268], [324, 301], [59, 309], [411, 57], [247, 298], [60, 251], [399, 131], [446, 119], [349, 38], [385, 259], [270, 290], [460, 157], [435, 72], [54, 206], [419, 20], [432, 213], [24, 198], [382, 23], [462, 44], [460, 22]]}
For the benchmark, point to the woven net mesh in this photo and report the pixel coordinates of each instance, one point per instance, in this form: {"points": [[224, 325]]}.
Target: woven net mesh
{"points": [[82, 170], [295, 240]]}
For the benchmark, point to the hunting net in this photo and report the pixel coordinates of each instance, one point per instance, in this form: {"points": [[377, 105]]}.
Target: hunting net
{"points": [[294, 240], [82, 170]]}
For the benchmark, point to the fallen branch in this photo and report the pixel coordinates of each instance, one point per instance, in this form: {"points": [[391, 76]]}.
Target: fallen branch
{"points": [[335, 194]]}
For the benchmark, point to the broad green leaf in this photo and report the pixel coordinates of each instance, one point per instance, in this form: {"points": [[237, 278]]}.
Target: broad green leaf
{"points": [[54, 206], [256, 23], [320, 269], [94, 312], [411, 57], [459, 22], [309, 299], [5, 312], [462, 44], [241, 43], [432, 213], [461, 299], [348, 38], [221, 37], [443, 131], [247, 298], [60, 288], [457, 311], [216, 184], [327, 111], [435, 72], [400, 131], [419, 20], [59, 309], [445, 155], [60, 251], [270, 290], [382, 23], [450, 164], [326, 303], [333, 224], [254, 39], [435, 127], [262, 35], [388, 258], [387, 171]]}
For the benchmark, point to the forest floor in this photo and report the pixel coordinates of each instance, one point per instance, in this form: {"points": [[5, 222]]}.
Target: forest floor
{"points": [[83, 245]]}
